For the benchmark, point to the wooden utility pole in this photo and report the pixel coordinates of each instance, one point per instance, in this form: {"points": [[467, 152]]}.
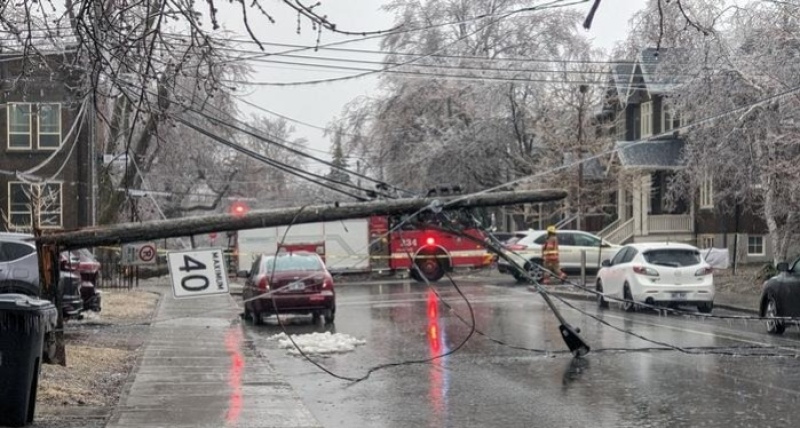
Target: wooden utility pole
{"points": [[137, 232], [49, 244]]}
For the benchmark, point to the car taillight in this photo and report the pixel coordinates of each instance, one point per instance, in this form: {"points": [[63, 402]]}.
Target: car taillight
{"points": [[430, 241], [263, 284], [708, 270], [641, 270], [516, 247], [327, 284]]}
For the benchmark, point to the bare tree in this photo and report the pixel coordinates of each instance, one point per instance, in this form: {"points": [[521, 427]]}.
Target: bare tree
{"points": [[468, 106], [739, 80], [134, 58]]}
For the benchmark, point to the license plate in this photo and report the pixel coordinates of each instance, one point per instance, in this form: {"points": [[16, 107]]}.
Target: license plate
{"points": [[679, 296], [297, 286]]}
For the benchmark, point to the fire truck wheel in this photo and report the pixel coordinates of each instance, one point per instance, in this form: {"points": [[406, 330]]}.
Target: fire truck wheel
{"points": [[430, 267]]}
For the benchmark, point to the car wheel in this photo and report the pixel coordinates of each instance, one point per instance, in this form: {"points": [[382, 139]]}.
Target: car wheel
{"points": [[534, 268], [519, 277], [430, 267], [315, 317], [20, 287], [258, 318], [601, 301], [773, 326], [705, 308], [330, 315], [629, 305]]}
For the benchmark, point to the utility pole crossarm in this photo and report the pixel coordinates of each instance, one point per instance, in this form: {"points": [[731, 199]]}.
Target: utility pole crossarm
{"points": [[173, 228]]}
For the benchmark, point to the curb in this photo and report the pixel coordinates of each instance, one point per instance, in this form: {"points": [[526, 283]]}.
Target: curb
{"points": [[590, 297]]}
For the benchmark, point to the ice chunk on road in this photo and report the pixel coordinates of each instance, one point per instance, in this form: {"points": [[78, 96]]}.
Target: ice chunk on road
{"points": [[318, 343]]}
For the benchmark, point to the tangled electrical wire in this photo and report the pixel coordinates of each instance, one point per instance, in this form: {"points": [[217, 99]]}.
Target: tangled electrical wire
{"points": [[662, 346], [789, 352], [378, 367]]}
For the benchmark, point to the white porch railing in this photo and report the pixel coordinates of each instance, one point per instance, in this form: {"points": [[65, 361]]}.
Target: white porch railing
{"points": [[608, 229], [622, 233], [669, 223]]}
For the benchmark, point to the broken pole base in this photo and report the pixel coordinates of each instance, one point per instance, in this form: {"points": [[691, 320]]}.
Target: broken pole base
{"points": [[576, 345]]}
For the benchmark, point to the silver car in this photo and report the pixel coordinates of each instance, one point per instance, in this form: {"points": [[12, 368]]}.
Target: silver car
{"points": [[19, 272]]}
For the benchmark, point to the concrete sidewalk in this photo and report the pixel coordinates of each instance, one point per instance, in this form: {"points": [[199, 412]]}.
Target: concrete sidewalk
{"points": [[197, 371]]}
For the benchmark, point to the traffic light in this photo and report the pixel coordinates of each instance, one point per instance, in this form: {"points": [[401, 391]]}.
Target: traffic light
{"points": [[239, 209]]}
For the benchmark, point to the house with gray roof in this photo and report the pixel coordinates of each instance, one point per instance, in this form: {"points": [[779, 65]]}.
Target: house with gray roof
{"points": [[650, 143]]}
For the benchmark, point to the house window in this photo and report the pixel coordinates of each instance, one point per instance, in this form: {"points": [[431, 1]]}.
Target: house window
{"points": [[755, 245], [49, 126], [647, 119], [707, 193], [670, 120], [19, 125], [26, 199]]}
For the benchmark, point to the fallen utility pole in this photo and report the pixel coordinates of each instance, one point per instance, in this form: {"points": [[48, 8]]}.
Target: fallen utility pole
{"points": [[577, 346], [50, 244], [137, 232]]}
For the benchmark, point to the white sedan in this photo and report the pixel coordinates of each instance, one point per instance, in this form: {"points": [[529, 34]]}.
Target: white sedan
{"points": [[527, 252], [657, 274]]}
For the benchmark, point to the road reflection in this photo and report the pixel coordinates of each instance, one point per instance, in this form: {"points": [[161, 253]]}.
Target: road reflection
{"points": [[233, 344], [438, 373]]}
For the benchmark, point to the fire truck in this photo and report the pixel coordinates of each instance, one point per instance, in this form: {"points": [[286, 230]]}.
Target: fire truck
{"points": [[377, 244]]}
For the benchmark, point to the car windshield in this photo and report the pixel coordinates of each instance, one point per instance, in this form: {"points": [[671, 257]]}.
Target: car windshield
{"points": [[292, 263], [672, 257]]}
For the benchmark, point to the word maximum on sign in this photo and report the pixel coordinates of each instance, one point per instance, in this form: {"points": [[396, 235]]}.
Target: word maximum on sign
{"points": [[197, 273]]}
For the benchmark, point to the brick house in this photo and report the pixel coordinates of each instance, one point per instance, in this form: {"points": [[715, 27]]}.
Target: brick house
{"points": [[45, 146], [635, 109]]}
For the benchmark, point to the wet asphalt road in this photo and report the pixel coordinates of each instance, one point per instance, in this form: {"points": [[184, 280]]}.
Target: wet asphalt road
{"points": [[620, 384]]}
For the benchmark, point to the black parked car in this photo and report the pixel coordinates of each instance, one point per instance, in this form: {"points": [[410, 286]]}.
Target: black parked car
{"points": [[781, 296]]}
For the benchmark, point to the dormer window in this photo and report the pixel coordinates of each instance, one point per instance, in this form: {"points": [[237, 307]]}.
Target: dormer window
{"points": [[646, 122]]}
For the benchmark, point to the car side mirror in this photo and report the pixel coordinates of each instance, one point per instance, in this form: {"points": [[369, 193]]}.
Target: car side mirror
{"points": [[606, 263], [783, 267], [242, 274]]}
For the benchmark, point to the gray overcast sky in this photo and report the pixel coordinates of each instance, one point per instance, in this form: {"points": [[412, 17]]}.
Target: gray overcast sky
{"points": [[318, 104]]}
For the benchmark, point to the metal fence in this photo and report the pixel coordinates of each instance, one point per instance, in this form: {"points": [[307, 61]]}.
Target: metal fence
{"points": [[113, 274]]}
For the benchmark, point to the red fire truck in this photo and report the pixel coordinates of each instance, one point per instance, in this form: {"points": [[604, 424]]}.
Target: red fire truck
{"points": [[376, 244], [434, 252]]}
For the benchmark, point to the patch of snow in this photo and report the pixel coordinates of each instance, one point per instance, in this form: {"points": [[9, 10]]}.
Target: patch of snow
{"points": [[318, 343], [91, 315]]}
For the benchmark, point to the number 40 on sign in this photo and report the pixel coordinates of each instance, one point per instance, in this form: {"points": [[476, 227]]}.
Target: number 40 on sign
{"points": [[197, 273]]}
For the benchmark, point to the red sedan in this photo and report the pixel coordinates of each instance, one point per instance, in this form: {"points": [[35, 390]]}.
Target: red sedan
{"points": [[290, 283]]}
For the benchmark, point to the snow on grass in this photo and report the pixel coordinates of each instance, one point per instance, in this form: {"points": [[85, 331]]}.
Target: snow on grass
{"points": [[318, 343]]}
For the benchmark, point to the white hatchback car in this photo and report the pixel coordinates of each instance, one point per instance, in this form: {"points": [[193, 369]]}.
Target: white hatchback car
{"points": [[527, 251], [657, 274]]}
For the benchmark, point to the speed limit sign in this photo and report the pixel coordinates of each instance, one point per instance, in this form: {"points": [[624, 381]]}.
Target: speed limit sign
{"points": [[197, 273]]}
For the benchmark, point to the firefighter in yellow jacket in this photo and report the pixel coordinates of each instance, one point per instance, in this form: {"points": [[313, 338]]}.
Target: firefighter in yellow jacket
{"points": [[550, 256]]}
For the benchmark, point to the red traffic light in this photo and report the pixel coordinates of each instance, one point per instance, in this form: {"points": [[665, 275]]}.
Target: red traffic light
{"points": [[239, 209]]}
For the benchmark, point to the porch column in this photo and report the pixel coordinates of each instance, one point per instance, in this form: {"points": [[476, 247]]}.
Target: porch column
{"points": [[645, 188], [636, 196], [622, 212]]}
